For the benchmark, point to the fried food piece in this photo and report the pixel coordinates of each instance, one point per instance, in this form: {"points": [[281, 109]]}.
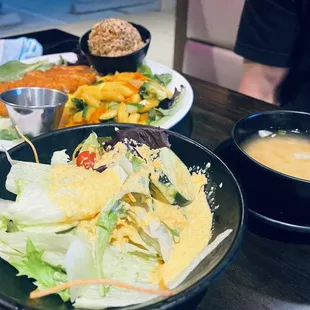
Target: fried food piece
{"points": [[62, 78]]}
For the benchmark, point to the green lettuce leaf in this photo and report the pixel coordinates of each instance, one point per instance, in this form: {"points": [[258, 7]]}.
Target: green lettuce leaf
{"points": [[164, 114], [106, 223], [175, 233], [163, 79], [7, 131], [14, 70], [137, 163], [146, 71], [9, 134], [46, 276], [91, 144]]}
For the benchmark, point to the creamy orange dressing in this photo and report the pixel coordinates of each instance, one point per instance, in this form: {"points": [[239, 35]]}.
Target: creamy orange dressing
{"points": [[194, 223], [125, 232], [89, 227], [286, 154], [195, 233], [82, 193]]}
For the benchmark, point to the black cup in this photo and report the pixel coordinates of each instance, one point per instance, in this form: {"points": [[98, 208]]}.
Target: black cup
{"points": [[269, 192], [126, 63]]}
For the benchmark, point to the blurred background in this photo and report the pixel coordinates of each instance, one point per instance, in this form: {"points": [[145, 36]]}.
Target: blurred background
{"points": [[76, 16], [196, 37], [17, 15]]}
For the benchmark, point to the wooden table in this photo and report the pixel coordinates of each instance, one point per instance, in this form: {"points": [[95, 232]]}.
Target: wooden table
{"points": [[267, 274]]}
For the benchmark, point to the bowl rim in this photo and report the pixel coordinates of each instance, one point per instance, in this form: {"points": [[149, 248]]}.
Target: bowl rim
{"points": [[22, 107], [88, 53], [257, 163], [201, 285]]}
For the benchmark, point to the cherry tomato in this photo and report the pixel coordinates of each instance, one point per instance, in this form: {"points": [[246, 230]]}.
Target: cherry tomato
{"points": [[86, 159]]}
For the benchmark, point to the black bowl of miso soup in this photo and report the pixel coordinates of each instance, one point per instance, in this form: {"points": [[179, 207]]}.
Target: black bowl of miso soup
{"points": [[274, 151]]}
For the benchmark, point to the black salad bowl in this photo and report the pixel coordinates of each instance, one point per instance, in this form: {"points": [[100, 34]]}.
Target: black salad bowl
{"points": [[226, 203], [126, 63]]}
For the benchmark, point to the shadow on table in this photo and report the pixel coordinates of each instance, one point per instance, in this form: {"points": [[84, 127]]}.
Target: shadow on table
{"points": [[185, 126], [266, 230]]}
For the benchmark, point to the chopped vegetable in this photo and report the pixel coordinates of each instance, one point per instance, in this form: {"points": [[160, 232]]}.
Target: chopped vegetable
{"points": [[7, 130], [86, 159], [126, 97], [105, 225], [163, 79], [14, 70], [167, 103], [108, 228], [172, 179], [79, 104], [60, 157], [91, 144], [153, 138], [46, 275], [152, 90]]}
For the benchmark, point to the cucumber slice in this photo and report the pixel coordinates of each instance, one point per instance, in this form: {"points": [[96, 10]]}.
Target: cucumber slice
{"points": [[88, 112], [133, 107], [171, 181], [113, 105]]}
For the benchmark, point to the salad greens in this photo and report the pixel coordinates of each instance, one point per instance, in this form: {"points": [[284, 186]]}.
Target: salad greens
{"points": [[33, 266], [159, 115], [106, 238], [91, 143], [14, 70], [163, 79], [7, 131]]}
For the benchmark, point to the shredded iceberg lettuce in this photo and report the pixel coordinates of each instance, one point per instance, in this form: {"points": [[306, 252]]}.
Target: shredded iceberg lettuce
{"points": [[70, 226], [60, 158]]}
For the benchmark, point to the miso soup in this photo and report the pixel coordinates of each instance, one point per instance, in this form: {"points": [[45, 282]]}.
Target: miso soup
{"points": [[286, 152]]}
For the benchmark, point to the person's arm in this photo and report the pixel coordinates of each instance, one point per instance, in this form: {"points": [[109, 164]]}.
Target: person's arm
{"points": [[261, 81], [267, 36]]}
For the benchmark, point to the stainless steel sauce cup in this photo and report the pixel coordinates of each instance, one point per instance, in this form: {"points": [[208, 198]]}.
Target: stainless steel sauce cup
{"points": [[34, 110]]}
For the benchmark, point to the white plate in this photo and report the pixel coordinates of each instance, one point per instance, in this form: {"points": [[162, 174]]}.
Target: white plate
{"points": [[70, 57], [177, 80]]}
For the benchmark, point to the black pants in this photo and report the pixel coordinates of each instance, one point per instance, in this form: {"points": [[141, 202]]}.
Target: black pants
{"points": [[302, 101]]}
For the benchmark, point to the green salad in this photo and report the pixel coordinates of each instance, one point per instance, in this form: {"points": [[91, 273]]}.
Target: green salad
{"points": [[121, 222]]}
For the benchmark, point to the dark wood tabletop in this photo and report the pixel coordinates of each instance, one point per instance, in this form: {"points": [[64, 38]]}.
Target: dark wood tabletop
{"points": [[267, 274]]}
